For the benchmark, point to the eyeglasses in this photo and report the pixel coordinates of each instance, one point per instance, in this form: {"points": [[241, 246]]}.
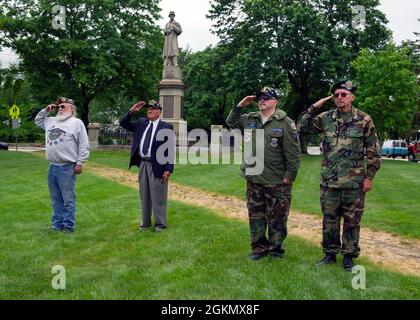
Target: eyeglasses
{"points": [[265, 98], [62, 106], [341, 94]]}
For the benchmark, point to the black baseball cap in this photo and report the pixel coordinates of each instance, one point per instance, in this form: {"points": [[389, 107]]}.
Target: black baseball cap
{"points": [[267, 91]]}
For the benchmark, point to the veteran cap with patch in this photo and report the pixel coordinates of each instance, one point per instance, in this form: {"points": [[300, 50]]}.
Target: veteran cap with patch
{"points": [[346, 84], [153, 104], [267, 91], [65, 100]]}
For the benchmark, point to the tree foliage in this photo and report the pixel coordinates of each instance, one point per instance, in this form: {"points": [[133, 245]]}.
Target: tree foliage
{"points": [[15, 89], [413, 51], [309, 43], [388, 90], [215, 82], [106, 47]]}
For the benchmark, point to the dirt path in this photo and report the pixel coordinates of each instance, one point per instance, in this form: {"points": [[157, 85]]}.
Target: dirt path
{"points": [[390, 251]]}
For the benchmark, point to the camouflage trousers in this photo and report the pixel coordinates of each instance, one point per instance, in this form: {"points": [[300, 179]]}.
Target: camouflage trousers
{"points": [[337, 203], [268, 206]]}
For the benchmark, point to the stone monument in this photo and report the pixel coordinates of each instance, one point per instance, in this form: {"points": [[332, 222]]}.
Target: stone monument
{"points": [[93, 134], [171, 87]]}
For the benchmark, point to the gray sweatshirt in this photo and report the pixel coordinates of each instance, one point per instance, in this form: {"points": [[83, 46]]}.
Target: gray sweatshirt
{"points": [[65, 141]]}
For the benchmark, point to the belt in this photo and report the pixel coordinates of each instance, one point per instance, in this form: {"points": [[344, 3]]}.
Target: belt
{"points": [[145, 159], [58, 163]]}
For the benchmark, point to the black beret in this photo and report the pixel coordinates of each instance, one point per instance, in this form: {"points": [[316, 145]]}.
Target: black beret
{"points": [[346, 84]]}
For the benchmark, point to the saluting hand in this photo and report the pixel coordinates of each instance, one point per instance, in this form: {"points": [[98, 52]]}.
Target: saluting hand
{"points": [[50, 107], [137, 106], [245, 102], [321, 102]]}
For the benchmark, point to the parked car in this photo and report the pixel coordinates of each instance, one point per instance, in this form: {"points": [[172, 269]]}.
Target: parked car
{"points": [[394, 148], [4, 146]]}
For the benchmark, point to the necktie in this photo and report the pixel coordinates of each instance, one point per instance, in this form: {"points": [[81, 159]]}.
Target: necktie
{"points": [[147, 139]]}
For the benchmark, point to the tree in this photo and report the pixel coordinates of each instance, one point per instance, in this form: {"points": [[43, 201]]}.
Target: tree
{"points": [[214, 82], [105, 47], [413, 52], [309, 43], [387, 91], [15, 89]]}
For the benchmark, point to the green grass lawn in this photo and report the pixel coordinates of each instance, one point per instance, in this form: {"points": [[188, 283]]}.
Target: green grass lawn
{"points": [[393, 205], [200, 256]]}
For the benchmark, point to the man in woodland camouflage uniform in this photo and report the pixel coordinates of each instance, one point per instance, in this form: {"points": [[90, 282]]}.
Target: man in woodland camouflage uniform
{"points": [[269, 191], [348, 135]]}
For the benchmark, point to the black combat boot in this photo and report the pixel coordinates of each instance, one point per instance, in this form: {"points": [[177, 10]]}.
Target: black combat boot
{"points": [[348, 263], [258, 255], [276, 252], [328, 259]]}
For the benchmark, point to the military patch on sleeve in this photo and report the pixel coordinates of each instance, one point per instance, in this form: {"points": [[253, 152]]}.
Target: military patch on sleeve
{"points": [[274, 142]]}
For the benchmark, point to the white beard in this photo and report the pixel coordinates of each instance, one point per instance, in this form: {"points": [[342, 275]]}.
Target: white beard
{"points": [[64, 116]]}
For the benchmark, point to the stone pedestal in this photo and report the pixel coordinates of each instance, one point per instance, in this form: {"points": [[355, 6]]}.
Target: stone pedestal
{"points": [[93, 134], [172, 72], [171, 97], [181, 131]]}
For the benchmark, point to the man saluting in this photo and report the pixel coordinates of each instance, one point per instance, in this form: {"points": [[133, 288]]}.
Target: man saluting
{"points": [[348, 135]]}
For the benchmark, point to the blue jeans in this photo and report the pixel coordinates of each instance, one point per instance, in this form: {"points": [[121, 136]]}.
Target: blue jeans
{"points": [[61, 183]]}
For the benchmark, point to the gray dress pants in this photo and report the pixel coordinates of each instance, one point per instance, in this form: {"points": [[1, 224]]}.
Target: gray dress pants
{"points": [[153, 196]]}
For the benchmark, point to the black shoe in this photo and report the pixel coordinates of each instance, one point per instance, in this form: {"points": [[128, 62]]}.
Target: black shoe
{"points": [[276, 254], [144, 228], [257, 255], [348, 263], [328, 259]]}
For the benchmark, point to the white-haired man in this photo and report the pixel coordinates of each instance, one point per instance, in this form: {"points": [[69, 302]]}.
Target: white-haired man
{"points": [[67, 148]]}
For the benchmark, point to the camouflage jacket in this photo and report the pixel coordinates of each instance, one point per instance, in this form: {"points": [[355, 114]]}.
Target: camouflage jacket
{"points": [[281, 144], [344, 146]]}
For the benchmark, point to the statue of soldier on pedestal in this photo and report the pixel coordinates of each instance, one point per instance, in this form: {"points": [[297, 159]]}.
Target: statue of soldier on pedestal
{"points": [[171, 50]]}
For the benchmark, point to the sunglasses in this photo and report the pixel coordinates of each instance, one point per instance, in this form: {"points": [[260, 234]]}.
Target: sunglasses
{"points": [[62, 106], [265, 98], [341, 94]]}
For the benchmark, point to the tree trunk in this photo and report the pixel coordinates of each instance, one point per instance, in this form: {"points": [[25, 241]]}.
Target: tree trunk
{"points": [[84, 113], [84, 110]]}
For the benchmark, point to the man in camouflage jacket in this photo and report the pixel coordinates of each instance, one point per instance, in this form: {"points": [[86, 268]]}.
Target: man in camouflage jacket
{"points": [[268, 191], [348, 136]]}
